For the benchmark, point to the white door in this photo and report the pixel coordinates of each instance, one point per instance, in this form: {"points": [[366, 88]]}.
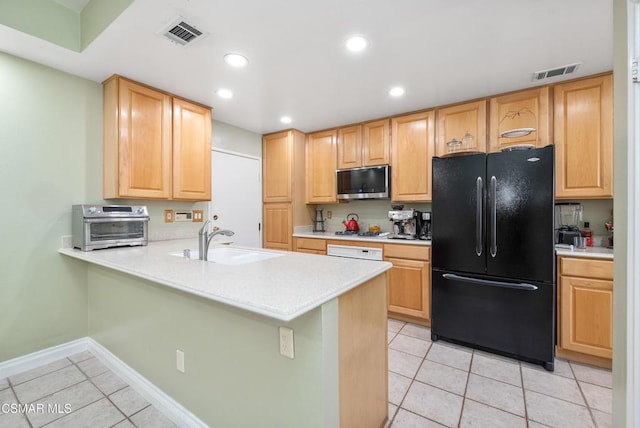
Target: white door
{"points": [[236, 196]]}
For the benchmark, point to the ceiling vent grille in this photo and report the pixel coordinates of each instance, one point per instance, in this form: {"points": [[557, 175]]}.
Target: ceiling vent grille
{"points": [[181, 32], [555, 72]]}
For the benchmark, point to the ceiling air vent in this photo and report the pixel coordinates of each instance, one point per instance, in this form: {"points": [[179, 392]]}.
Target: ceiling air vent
{"points": [[181, 32], [554, 72]]}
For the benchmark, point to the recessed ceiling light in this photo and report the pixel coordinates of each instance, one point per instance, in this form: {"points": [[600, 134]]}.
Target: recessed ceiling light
{"points": [[286, 119], [224, 93], [396, 92], [356, 43], [236, 60]]}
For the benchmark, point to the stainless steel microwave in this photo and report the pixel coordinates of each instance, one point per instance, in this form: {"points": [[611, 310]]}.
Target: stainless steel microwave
{"points": [[364, 183]]}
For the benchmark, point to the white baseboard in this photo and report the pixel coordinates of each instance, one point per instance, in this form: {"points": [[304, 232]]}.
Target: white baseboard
{"points": [[41, 358], [154, 395]]}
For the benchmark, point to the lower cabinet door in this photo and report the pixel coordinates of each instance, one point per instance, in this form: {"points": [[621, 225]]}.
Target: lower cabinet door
{"points": [[586, 316], [277, 223], [408, 288]]}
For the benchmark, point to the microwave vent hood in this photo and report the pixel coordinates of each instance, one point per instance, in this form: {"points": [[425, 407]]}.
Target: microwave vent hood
{"points": [[363, 183]]}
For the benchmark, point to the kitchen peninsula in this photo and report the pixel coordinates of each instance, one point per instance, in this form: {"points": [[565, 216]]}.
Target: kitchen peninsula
{"points": [[145, 304]]}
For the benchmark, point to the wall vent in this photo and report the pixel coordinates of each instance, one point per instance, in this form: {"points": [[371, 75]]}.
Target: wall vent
{"points": [[555, 72], [181, 32]]}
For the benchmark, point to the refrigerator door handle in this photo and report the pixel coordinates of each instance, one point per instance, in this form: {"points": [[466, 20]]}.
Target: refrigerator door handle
{"points": [[519, 286], [494, 221], [479, 210]]}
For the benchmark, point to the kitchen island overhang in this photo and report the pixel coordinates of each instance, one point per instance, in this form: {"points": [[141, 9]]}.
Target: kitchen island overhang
{"points": [[142, 309]]}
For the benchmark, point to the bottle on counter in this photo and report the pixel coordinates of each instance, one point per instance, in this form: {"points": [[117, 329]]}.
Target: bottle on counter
{"points": [[586, 233]]}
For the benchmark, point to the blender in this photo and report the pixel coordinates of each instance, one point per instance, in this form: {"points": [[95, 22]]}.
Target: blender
{"points": [[568, 214]]}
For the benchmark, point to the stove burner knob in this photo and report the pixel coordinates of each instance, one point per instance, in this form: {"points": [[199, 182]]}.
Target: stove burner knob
{"points": [[92, 210]]}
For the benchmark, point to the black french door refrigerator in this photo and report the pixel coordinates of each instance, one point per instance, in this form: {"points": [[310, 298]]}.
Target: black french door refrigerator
{"points": [[493, 274]]}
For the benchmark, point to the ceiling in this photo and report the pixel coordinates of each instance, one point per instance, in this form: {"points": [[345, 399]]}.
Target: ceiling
{"points": [[441, 51]]}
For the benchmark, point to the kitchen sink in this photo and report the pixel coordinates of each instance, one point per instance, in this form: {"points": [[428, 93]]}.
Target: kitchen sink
{"points": [[232, 256]]}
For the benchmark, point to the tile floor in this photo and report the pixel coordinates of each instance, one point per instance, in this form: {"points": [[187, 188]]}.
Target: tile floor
{"points": [[441, 384], [430, 385], [76, 392]]}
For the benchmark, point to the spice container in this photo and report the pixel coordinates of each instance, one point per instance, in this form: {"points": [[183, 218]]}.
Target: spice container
{"points": [[586, 233]]}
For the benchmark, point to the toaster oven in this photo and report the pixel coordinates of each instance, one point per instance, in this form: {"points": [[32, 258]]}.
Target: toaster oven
{"points": [[106, 226]]}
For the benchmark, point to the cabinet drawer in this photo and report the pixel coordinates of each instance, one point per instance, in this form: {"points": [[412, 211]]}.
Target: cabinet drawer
{"points": [[601, 269], [311, 244], [401, 251]]}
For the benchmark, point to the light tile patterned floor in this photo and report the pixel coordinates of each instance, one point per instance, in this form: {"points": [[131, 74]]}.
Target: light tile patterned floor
{"points": [[75, 392], [441, 384]]}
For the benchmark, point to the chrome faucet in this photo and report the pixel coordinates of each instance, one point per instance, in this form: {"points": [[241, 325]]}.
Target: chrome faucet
{"points": [[202, 239], [210, 237]]}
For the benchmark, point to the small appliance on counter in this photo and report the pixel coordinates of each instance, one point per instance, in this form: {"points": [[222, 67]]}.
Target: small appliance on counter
{"points": [[106, 226], [352, 223], [424, 225], [404, 222], [568, 214]]}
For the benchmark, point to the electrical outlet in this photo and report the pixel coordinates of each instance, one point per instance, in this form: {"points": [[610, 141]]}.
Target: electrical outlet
{"points": [[180, 360], [198, 216], [329, 214], [286, 342], [168, 216]]}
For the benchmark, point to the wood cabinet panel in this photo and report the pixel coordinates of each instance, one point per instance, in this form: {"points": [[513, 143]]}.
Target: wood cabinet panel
{"points": [[405, 251], [350, 147], [375, 143], [589, 268], [466, 123], [311, 244], [587, 316], [321, 162], [191, 151], [278, 226], [277, 167], [583, 135], [409, 288], [518, 110], [412, 147]]}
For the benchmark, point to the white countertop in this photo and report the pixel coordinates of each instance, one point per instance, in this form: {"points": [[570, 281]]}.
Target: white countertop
{"points": [[591, 252], [282, 287], [383, 240]]}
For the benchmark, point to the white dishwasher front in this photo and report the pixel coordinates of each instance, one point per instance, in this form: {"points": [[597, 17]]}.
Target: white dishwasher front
{"points": [[366, 253]]}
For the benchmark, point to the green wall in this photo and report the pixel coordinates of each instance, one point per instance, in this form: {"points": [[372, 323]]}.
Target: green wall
{"points": [[234, 374], [47, 121]]}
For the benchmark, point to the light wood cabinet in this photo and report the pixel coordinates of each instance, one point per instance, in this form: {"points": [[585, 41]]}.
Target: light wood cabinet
{"points": [[409, 282], [520, 111], [155, 146], [191, 151], [283, 182], [321, 163], [310, 245], [585, 307], [349, 147], [364, 145], [412, 147], [583, 135], [465, 124]]}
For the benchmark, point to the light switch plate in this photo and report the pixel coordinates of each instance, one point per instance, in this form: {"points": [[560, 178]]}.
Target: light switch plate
{"points": [[198, 216]]}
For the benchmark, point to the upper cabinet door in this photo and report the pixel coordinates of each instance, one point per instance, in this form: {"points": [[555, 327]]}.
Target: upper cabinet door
{"points": [[462, 127], [145, 137], [520, 118], [412, 147], [375, 143], [350, 147], [321, 155], [583, 134], [191, 151], [277, 167]]}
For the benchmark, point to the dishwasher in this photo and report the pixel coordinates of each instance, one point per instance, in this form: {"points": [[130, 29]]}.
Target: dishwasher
{"points": [[364, 253]]}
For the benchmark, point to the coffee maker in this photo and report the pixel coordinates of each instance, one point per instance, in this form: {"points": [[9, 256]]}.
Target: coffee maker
{"points": [[404, 222], [567, 216], [424, 225]]}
